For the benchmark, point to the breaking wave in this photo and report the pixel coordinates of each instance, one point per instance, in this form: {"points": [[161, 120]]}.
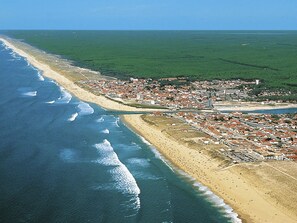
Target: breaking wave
{"points": [[15, 55], [207, 192], [122, 178], [105, 131], [50, 102], [116, 122], [219, 202], [65, 97], [85, 108], [101, 119], [30, 94], [158, 155], [40, 77], [73, 117]]}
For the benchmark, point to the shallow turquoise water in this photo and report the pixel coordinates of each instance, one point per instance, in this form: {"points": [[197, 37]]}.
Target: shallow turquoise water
{"points": [[63, 160]]}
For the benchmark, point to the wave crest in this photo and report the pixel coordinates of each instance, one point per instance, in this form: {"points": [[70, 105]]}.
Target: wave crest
{"points": [[124, 179], [40, 77], [50, 102], [105, 131], [30, 94], [65, 97], [85, 109], [73, 117], [101, 119]]}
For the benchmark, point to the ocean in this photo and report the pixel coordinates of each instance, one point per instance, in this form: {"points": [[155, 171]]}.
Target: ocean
{"points": [[64, 160]]}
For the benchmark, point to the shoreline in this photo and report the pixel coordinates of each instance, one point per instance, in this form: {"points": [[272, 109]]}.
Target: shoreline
{"points": [[248, 201], [70, 86], [206, 191], [87, 96], [149, 133]]}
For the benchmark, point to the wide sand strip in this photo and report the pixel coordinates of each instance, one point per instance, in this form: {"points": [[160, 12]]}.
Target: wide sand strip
{"points": [[69, 85], [239, 186], [234, 185]]}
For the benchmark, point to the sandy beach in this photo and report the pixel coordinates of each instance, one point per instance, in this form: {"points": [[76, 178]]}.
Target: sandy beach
{"points": [[252, 190], [69, 85]]}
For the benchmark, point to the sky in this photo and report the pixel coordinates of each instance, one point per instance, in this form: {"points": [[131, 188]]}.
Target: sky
{"points": [[149, 15]]}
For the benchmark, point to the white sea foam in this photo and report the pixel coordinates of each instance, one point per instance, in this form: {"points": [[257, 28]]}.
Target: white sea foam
{"points": [[157, 153], [116, 122], [207, 192], [85, 108], [217, 201], [73, 117], [125, 181], [122, 178], [40, 77], [5, 46], [30, 93], [105, 131], [101, 119], [145, 141], [50, 102], [14, 55], [65, 97], [109, 157]]}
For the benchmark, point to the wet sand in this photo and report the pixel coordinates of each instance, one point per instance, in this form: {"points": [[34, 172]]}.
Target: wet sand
{"points": [[69, 84], [254, 198]]}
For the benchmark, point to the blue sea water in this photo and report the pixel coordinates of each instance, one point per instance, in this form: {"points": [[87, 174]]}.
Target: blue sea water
{"points": [[64, 160], [276, 111]]}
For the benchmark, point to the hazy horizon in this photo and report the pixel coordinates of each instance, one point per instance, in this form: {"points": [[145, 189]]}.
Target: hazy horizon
{"points": [[202, 30], [152, 15]]}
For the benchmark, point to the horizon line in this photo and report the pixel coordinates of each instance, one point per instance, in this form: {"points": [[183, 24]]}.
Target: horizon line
{"points": [[148, 29]]}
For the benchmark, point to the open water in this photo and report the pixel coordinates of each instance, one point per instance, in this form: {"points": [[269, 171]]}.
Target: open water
{"points": [[64, 160]]}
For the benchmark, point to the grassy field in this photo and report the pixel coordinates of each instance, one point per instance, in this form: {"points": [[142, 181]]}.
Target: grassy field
{"points": [[267, 55]]}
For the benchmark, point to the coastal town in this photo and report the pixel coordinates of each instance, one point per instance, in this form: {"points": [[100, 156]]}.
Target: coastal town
{"points": [[172, 93], [194, 136], [247, 138]]}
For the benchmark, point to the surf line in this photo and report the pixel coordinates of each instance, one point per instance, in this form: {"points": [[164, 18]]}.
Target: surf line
{"points": [[212, 197]]}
